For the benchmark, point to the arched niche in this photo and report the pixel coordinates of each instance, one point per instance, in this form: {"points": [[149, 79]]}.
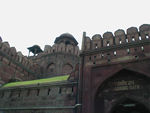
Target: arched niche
{"points": [[123, 84], [67, 68], [51, 68]]}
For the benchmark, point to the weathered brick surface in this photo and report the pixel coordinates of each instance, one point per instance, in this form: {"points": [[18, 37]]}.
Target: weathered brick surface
{"points": [[126, 56], [58, 97], [15, 66]]}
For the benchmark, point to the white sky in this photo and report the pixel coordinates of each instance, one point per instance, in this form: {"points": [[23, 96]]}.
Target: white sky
{"points": [[24, 23]]}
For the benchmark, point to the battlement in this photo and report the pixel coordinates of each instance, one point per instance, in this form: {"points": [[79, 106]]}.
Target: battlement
{"points": [[16, 60], [60, 48], [54, 94], [117, 47], [119, 37]]}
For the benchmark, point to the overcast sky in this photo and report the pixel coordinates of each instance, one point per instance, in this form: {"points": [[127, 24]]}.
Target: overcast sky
{"points": [[24, 23]]}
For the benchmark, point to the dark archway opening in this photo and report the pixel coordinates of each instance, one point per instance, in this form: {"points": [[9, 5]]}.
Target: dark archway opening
{"points": [[130, 106], [123, 84]]}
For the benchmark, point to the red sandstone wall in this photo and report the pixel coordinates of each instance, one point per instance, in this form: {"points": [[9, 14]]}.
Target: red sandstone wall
{"points": [[103, 57], [59, 97], [13, 65]]}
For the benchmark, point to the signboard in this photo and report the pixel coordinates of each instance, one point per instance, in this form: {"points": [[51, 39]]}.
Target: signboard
{"points": [[125, 85]]}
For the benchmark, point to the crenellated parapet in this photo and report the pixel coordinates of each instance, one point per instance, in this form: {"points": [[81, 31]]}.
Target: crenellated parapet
{"points": [[60, 58], [117, 47], [61, 48], [119, 37], [65, 44], [15, 62]]}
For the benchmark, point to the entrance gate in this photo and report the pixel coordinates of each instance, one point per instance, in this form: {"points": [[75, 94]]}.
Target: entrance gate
{"points": [[131, 87]]}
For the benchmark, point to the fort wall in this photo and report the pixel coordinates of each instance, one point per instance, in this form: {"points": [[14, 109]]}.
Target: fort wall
{"points": [[104, 57], [60, 48], [120, 47], [14, 65], [59, 59], [53, 97]]}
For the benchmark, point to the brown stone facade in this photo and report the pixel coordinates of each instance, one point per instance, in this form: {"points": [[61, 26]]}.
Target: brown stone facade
{"points": [[43, 98], [14, 66], [115, 72]]}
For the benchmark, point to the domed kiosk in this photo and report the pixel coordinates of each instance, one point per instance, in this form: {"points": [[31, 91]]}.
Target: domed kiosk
{"points": [[66, 38]]}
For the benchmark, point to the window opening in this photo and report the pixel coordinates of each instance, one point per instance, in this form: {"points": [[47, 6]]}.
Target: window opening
{"points": [[115, 53], [108, 43], [120, 42], [133, 39], [72, 88], [128, 51], [48, 91], [140, 38], [102, 55], [136, 57], [142, 48], [147, 36], [96, 46], [60, 90]]}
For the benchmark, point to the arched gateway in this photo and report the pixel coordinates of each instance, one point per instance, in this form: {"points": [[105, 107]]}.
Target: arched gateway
{"points": [[124, 92], [115, 71], [129, 106]]}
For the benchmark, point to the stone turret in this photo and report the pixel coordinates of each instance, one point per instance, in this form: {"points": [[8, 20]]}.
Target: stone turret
{"points": [[61, 58]]}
